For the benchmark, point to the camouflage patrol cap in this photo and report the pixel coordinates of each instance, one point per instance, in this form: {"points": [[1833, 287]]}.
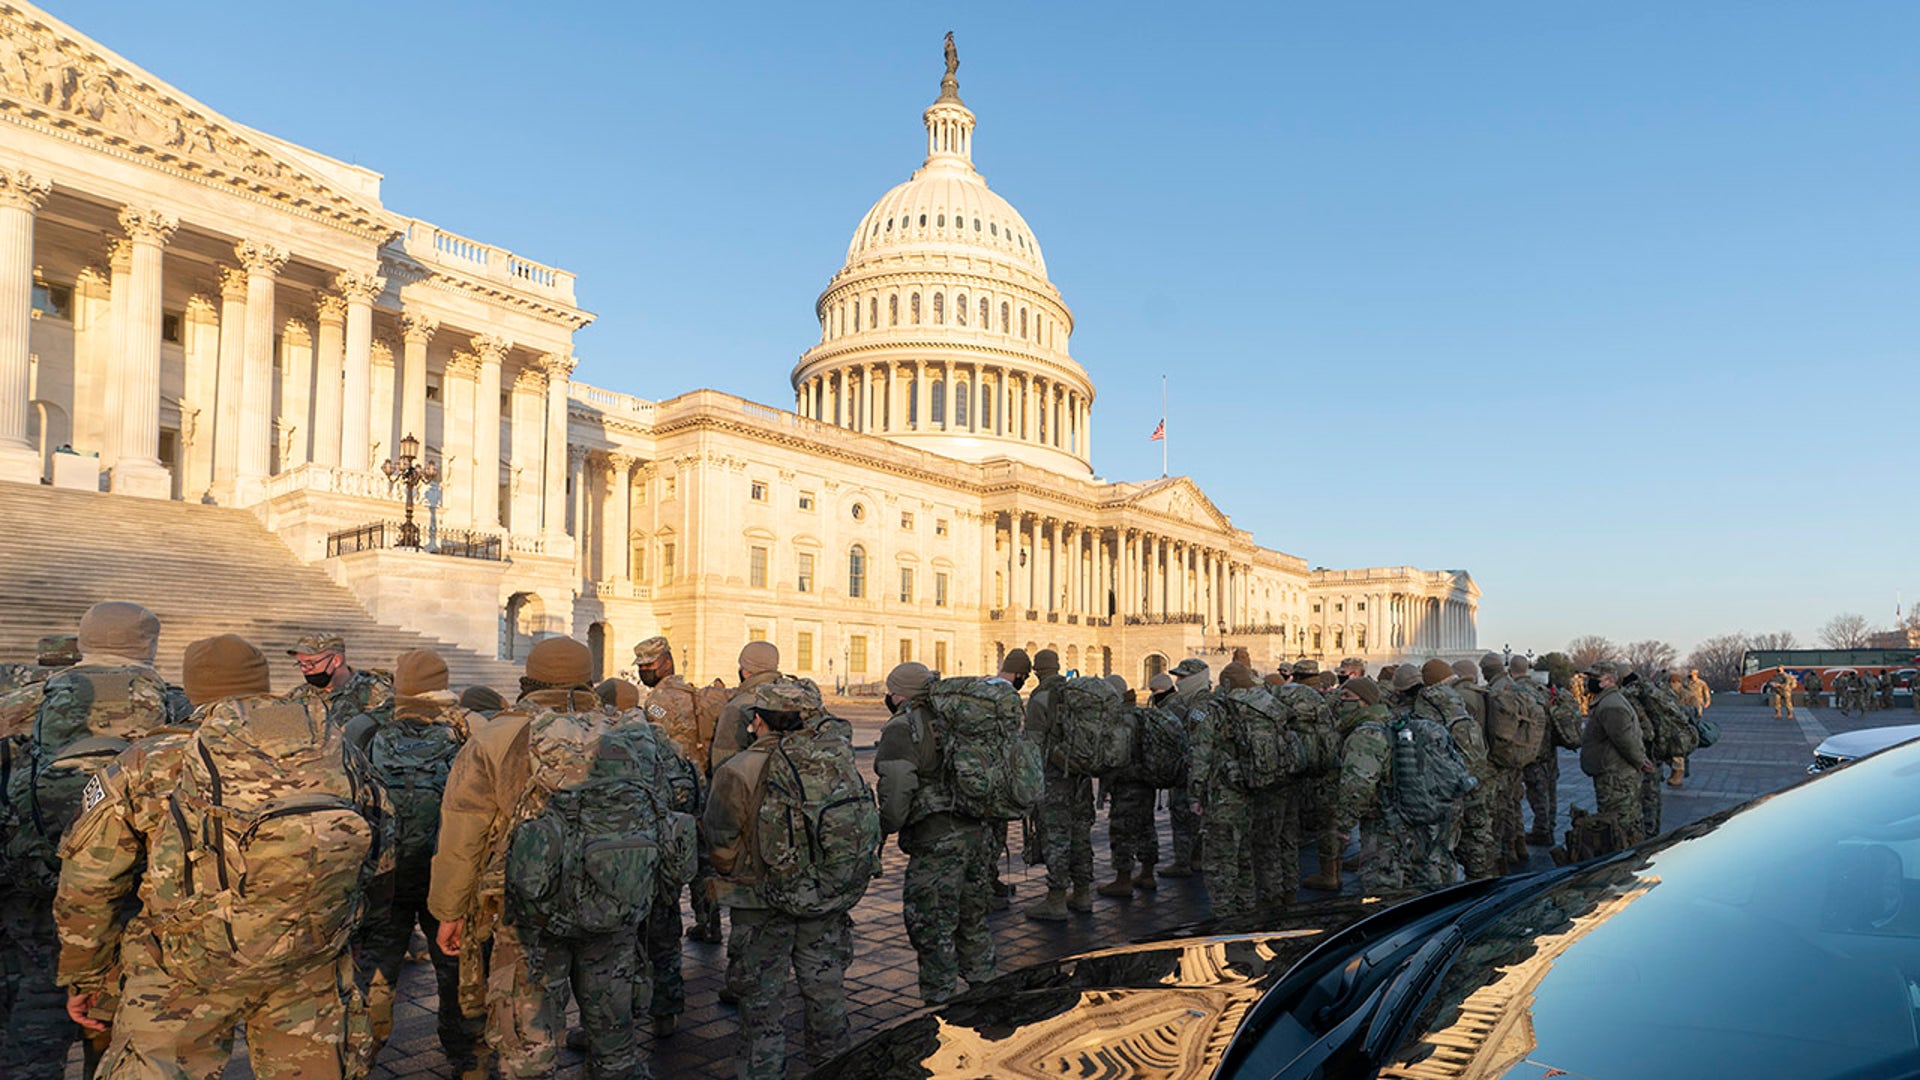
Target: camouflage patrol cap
{"points": [[1354, 664], [1406, 677], [1604, 667], [810, 690], [58, 650], [1305, 667], [1491, 664], [651, 650], [318, 642], [1192, 665], [780, 696]]}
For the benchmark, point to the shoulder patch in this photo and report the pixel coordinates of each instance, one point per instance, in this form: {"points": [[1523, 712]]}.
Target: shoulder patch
{"points": [[656, 711], [96, 790]]}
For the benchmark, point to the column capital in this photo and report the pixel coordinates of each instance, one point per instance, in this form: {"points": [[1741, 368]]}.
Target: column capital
{"points": [[622, 463], [557, 365], [260, 257], [295, 331], [233, 283], [416, 328], [119, 255], [490, 348], [151, 226], [201, 306], [330, 309], [529, 380], [21, 190], [463, 364], [381, 353], [577, 456], [360, 285]]}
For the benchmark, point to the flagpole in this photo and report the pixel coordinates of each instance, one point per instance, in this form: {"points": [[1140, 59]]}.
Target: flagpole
{"points": [[1163, 427]]}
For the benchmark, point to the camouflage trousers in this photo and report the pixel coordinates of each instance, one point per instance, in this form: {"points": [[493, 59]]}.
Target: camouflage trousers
{"points": [[1618, 794], [818, 952], [1652, 790], [1131, 831], [948, 888], [706, 910], [311, 1026], [658, 988], [380, 948], [529, 978], [1276, 844], [1395, 855], [1542, 780], [1229, 855], [38, 1033], [1317, 799], [1505, 792], [1475, 848], [1066, 831], [1186, 827]]}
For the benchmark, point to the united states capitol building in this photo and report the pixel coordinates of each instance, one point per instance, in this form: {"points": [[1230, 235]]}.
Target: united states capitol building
{"points": [[197, 312]]}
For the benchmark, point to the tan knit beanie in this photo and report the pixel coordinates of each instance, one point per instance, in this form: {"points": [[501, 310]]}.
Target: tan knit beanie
{"points": [[419, 671], [118, 628], [1237, 676], [1468, 671], [619, 693], [1046, 662], [1017, 662], [482, 699], [759, 657], [223, 667], [560, 662], [1364, 688], [1434, 672], [1406, 677]]}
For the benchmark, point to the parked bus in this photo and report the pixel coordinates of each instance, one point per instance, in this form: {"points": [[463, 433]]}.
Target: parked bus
{"points": [[1758, 666]]}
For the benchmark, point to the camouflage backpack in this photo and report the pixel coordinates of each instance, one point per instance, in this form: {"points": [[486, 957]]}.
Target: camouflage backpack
{"points": [[1160, 742], [994, 772], [86, 716], [1673, 732], [1266, 750], [1516, 725], [1310, 716], [409, 757], [690, 721], [1563, 717], [1429, 774], [1089, 730], [817, 828], [593, 830], [279, 837]]}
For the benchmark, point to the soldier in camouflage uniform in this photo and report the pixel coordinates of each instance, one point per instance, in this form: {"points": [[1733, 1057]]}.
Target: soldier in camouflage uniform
{"points": [[1613, 751], [1508, 789], [123, 858], [1440, 702], [1183, 693], [529, 972], [1285, 813], [1395, 854], [115, 646], [817, 949], [675, 707], [51, 653], [483, 701], [1220, 798], [348, 692], [1650, 795], [1132, 837], [1066, 809], [1565, 712], [947, 890], [759, 665]]}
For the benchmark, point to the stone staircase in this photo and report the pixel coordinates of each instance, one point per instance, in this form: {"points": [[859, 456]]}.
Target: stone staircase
{"points": [[204, 570]]}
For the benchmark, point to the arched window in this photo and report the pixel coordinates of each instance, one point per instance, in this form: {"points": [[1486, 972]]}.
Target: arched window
{"points": [[960, 309], [939, 309], [1316, 639], [893, 310], [1005, 317], [986, 323], [856, 572], [939, 401], [1023, 322], [913, 401], [986, 408], [856, 314], [961, 396], [873, 312], [913, 308], [999, 589], [1360, 638]]}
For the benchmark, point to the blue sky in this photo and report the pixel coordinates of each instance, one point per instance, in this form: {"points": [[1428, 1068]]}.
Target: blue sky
{"points": [[1612, 304]]}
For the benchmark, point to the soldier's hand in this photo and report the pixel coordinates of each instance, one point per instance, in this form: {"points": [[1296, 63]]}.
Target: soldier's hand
{"points": [[1646, 766], [449, 936], [79, 1006]]}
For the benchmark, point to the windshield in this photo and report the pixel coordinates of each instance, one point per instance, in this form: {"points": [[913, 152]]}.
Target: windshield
{"points": [[1781, 940]]}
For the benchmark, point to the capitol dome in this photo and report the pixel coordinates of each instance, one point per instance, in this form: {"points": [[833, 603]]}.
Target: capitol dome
{"points": [[942, 330]]}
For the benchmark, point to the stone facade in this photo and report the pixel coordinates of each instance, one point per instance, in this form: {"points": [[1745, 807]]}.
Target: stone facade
{"points": [[201, 311]]}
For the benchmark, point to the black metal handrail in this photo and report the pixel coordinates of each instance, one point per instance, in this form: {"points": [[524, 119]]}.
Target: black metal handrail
{"points": [[379, 535]]}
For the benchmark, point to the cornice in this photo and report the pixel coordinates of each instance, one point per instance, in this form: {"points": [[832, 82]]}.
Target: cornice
{"points": [[841, 352], [407, 272]]}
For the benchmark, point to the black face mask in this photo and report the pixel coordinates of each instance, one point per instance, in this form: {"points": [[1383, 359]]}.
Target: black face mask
{"points": [[1345, 675], [1593, 684], [1018, 681], [649, 677], [319, 678], [893, 703]]}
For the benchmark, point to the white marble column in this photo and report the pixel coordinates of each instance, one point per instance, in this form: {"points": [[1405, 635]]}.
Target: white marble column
{"points": [[617, 547], [526, 431], [262, 262], [457, 395], [581, 508], [416, 330], [491, 351], [558, 369], [114, 395], [199, 392], [923, 397], [21, 194], [231, 378], [92, 340], [360, 422], [295, 430], [329, 366], [385, 377]]}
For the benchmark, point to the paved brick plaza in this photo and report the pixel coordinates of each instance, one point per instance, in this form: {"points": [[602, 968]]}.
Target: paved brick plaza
{"points": [[1757, 754]]}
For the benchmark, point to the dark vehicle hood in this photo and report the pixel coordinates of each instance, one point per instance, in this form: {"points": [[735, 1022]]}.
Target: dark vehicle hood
{"points": [[1166, 1006]]}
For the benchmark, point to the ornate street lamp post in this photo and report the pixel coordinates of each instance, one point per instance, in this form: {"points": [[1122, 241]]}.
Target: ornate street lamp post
{"points": [[410, 472]]}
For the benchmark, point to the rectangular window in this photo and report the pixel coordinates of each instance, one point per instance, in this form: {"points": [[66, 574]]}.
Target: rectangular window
{"points": [[857, 655], [171, 328], [939, 526], [640, 564], [806, 500], [906, 585], [758, 492], [939, 656], [640, 493], [666, 564], [757, 567], [803, 648], [906, 521], [1340, 607], [939, 589], [671, 489], [757, 633], [906, 650], [1316, 609], [805, 581], [433, 388], [1360, 605], [54, 300]]}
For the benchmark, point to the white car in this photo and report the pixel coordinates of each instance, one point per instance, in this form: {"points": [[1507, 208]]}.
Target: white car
{"points": [[1839, 749]]}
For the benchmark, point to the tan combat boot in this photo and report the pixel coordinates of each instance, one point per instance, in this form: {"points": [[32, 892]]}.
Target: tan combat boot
{"points": [[1122, 883], [1081, 898], [1328, 879], [1679, 774], [1146, 882], [1051, 909]]}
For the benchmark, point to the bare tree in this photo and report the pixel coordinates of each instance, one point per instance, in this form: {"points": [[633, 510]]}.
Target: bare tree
{"points": [[1848, 631], [1718, 660], [1650, 656], [1779, 639], [1590, 649]]}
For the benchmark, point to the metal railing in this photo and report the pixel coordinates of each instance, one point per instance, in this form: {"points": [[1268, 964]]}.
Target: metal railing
{"points": [[383, 535]]}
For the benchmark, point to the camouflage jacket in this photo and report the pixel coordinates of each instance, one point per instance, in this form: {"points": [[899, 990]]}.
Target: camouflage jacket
{"points": [[483, 791], [1442, 704], [728, 822], [730, 734], [1211, 759], [916, 800], [674, 706], [365, 692], [1366, 767]]}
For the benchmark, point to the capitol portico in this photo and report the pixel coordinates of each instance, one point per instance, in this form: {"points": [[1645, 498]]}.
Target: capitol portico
{"points": [[194, 310]]}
